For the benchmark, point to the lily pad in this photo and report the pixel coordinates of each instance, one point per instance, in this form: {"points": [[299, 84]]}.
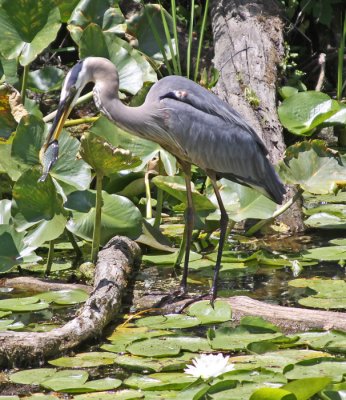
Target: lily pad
{"points": [[328, 253], [64, 297], [168, 259], [207, 314], [169, 321], [23, 304], [159, 381], [333, 341], [85, 360], [126, 394], [32, 376]]}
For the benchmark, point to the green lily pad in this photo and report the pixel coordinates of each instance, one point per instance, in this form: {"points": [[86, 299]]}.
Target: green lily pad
{"points": [[65, 380], [104, 158], [334, 341], [146, 150], [126, 394], [334, 369], [119, 215], [325, 220], [28, 28], [175, 186], [64, 297], [240, 338], [159, 381], [148, 364], [328, 253], [32, 376], [302, 112], [23, 304], [313, 167], [85, 360], [168, 259], [9, 324], [207, 314], [169, 321], [272, 394]]}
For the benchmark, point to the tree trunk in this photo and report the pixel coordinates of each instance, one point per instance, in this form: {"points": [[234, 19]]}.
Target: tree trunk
{"points": [[249, 46]]}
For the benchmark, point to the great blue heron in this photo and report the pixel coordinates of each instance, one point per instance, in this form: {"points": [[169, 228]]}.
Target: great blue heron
{"points": [[187, 120]]}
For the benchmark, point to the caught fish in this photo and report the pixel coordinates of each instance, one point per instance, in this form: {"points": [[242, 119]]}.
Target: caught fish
{"points": [[48, 158]]}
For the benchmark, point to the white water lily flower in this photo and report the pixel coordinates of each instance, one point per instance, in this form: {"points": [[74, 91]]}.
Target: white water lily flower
{"points": [[207, 366]]}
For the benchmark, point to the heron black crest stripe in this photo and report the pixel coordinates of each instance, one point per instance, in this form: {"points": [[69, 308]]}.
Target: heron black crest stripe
{"points": [[75, 73]]}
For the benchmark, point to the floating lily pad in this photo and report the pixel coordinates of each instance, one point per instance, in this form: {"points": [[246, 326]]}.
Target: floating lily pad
{"points": [[9, 324], [169, 321], [239, 338], [334, 341], [168, 259], [126, 394], [207, 314], [23, 304], [149, 364], [64, 297], [85, 360], [325, 220], [328, 253], [320, 367], [32, 376], [159, 381]]}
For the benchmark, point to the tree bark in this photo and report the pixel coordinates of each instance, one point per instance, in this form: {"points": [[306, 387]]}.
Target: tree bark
{"points": [[249, 46], [112, 272]]}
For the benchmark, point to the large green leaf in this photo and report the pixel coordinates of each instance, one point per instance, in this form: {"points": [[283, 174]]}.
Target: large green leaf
{"points": [[28, 27], [144, 149], [85, 360], [313, 167], [7, 122], [104, 158], [304, 111], [11, 244], [45, 79], [36, 200], [5, 212], [101, 12], [119, 215], [159, 381], [175, 186], [242, 202], [141, 26], [132, 66]]}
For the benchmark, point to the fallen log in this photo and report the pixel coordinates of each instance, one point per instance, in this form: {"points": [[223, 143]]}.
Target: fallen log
{"points": [[112, 272]]}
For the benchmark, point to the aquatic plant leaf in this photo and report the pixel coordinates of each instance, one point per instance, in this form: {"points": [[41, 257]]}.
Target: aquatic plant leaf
{"points": [[325, 220], [32, 376], [175, 186], [126, 394], [169, 321], [149, 364], [5, 212], [104, 158], [36, 200], [206, 314], [161, 395], [119, 215], [258, 323], [85, 360], [328, 253], [312, 166], [23, 304], [241, 202], [103, 13], [65, 380], [159, 381], [28, 28], [239, 338], [333, 341], [146, 150], [11, 244], [304, 389], [64, 297], [168, 259], [140, 26], [302, 112], [7, 122], [45, 79], [333, 368], [272, 394]]}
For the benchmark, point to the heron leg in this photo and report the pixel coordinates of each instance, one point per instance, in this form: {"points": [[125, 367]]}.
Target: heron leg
{"points": [[223, 229], [189, 223]]}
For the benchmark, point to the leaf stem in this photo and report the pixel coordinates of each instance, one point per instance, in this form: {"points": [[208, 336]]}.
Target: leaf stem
{"points": [[97, 220], [24, 82], [159, 199], [175, 33], [278, 212], [189, 43], [75, 246], [341, 57], [78, 121], [148, 209], [50, 258]]}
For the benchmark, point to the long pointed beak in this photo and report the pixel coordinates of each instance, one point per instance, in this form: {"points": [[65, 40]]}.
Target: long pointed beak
{"points": [[50, 149]]}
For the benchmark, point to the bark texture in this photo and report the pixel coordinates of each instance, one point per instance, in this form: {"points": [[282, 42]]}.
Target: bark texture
{"points": [[249, 46], [113, 268]]}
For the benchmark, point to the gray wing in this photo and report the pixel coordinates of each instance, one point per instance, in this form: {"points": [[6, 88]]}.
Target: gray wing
{"points": [[206, 131]]}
